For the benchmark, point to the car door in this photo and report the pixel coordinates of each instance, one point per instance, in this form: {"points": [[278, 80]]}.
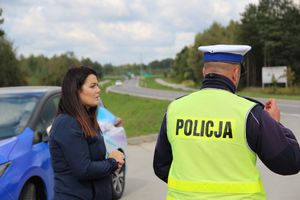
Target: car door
{"points": [[46, 118], [40, 146]]}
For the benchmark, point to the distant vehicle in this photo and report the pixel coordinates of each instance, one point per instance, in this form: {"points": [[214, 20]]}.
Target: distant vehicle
{"points": [[118, 83], [26, 115]]}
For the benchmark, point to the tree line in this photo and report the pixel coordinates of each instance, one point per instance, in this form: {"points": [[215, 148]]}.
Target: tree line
{"points": [[272, 29]]}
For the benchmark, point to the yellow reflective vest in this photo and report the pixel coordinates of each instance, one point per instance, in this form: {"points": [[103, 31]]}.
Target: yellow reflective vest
{"points": [[211, 157]]}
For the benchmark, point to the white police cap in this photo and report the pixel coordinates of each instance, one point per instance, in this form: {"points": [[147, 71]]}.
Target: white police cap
{"points": [[224, 53]]}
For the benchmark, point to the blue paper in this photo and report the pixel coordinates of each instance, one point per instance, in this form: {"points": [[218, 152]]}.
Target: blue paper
{"points": [[105, 115]]}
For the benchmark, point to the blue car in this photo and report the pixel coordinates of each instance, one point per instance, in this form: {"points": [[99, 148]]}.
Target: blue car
{"points": [[26, 115]]}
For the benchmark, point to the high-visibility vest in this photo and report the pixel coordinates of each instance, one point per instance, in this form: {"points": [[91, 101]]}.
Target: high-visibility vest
{"points": [[211, 156]]}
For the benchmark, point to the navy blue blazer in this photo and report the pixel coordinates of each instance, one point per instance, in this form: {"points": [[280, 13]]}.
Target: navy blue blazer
{"points": [[81, 170]]}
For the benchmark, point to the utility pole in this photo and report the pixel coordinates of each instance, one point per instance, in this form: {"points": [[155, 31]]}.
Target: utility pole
{"points": [[141, 64]]}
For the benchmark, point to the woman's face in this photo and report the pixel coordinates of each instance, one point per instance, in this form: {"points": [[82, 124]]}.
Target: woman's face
{"points": [[89, 93]]}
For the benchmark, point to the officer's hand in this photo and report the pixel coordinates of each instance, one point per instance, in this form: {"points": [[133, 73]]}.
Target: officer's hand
{"points": [[273, 110]]}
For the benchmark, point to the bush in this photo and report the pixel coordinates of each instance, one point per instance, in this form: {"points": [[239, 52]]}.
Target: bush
{"points": [[188, 83]]}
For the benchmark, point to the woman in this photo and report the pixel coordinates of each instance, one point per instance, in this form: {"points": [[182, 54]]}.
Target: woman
{"points": [[82, 167]]}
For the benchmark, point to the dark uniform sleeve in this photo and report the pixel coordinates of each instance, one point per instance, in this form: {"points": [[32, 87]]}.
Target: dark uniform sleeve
{"points": [[275, 145], [162, 154], [76, 152]]}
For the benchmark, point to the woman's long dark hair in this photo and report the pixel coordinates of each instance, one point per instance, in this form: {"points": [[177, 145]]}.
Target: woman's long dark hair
{"points": [[70, 102]]}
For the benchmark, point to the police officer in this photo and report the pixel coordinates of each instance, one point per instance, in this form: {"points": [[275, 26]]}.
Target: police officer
{"points": [[208, 141]]}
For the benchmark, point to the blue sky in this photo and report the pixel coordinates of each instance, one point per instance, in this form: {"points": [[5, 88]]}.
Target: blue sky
{"points": [[113, 31]]}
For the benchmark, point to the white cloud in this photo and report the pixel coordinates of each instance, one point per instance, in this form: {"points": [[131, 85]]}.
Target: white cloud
{"points": [[116, 31], [184, 39]]}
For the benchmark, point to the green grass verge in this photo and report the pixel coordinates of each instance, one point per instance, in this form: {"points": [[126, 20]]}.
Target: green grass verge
{"points": [[292, 93], [276, 96], [151, 83], [143, 116], [140, 116]]}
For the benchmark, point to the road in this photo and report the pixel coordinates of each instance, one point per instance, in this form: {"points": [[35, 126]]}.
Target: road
{"points": [[289, 108], [142, 183], [131, 87]]}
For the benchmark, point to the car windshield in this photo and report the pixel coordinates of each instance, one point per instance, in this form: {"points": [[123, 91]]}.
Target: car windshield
{"points": [[15, 110]]}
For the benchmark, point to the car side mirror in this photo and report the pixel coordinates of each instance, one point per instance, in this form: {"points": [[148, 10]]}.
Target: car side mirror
{"points": [[45, 136], [48, 130], [40, 136]]}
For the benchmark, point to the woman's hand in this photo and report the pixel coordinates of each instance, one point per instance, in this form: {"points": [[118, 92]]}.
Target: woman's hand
{"points": [[118, 122], [118, 156]]}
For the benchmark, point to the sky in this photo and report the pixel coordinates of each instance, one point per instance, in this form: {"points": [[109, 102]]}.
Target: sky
{"points": [[113, 31]]}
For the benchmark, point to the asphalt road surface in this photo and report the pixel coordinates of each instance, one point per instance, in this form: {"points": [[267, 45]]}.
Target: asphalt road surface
{"points": [[141, 183], [131, 87]]}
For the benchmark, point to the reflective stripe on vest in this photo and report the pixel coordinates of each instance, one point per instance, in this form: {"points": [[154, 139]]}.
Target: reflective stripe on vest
{"points": [[170, 198], [216, 187]]}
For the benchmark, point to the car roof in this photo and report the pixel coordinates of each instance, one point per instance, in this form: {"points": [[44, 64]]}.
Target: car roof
{"points": [[29, 89]]}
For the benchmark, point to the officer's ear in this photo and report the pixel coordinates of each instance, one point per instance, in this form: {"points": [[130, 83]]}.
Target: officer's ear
{"points": [[236, 74], [203, 71]]}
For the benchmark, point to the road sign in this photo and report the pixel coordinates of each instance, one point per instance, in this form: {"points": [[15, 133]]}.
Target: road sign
{"points": [[274, 74]]}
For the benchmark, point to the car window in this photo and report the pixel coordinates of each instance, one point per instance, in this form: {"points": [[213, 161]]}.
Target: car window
{"points": [[15, 111], [47, 115]]}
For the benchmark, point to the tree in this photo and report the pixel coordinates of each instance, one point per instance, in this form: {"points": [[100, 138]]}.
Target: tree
{"points": [[34, 68], [271, 28], [249, 30], [55, 69], [98, 68], [188, 62], [10, 74], [215, 34], [160, 66], [290, 75], [180, 69], [1, 22], [94, 65], [108, 68]]}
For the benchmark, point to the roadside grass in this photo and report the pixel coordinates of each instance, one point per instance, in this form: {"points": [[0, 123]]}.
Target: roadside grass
{"points": [[111, 78], [292, 93], [140, 116], [188, 83], [151, 83]]}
